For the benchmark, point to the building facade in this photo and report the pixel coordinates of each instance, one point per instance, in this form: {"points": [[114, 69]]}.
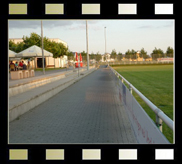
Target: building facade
{"points": [[106, 57], [16, 40]]}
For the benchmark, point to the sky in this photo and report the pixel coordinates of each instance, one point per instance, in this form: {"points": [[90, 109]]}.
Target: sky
{"points": [[121, 35]]}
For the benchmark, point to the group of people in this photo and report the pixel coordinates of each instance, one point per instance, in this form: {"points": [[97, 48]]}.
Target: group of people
{"points": [[16, 66]]}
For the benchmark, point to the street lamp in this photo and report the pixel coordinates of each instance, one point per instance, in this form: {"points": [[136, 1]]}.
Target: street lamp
{"points": [[42, 49], [105, 42], [105, 38], [87, 46]]}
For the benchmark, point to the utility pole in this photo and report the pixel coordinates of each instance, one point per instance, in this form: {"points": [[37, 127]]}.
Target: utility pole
{"points": [[105, 43], [87, 46], [42, 48], [105, 38]]}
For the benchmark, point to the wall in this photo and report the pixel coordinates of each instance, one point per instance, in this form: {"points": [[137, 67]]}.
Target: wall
{"points": [[50, 62]]}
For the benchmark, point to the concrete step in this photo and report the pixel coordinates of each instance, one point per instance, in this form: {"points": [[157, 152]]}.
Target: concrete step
{"points": [[25, 101], [37, 82]]}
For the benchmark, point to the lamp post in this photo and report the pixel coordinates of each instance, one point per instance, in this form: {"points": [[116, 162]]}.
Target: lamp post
{"points": [[42, 49], [105, 42], [87, 46], [105, 38]]}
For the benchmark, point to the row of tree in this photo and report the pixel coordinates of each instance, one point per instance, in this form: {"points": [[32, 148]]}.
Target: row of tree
{"points": [[58, 49], [156, 53], [96, 56]]}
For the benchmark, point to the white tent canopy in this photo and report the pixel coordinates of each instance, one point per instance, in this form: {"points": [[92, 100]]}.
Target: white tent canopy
{"points": [[33, 51], [11, 54]]}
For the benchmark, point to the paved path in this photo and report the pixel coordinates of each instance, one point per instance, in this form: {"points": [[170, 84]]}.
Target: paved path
{"points": [[86, 112]]}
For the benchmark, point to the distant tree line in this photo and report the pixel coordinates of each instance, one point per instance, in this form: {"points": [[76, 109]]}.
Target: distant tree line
{"points": [[97, 57], [156, 53]]}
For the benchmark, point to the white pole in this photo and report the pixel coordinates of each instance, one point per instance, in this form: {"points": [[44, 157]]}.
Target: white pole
{"points": [[105, 38], [87, 45], [105, 43], [42, 49]]}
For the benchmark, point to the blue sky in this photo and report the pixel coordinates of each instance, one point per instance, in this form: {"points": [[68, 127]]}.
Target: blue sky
{"points": [[121, 35]]}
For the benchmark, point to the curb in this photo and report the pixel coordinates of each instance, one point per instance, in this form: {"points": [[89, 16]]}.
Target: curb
{"points": [[20, 88]]}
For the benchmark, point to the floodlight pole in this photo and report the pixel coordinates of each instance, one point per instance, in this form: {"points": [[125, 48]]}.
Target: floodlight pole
{"points": [[42, 49], [87, 46], [105, 38], [105, 42]]}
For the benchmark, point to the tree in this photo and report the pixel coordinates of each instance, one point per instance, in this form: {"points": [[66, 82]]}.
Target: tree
{"points": [[143, 53], [20, 47], [92, 56], [12, 46], [119, 56], [34, 39], [64, 50], [98, 57], [133, 53], [157, 53], [47, 43], [128, 54], [84, 56], [58, 49], [169, 52], [113, 54], [70, 55]]}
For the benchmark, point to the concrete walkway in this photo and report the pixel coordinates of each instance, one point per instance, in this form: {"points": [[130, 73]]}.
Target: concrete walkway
{"points": [[85, 112]]}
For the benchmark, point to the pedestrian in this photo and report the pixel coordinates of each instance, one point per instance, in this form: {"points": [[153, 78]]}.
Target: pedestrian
{"points": [[24, 65], [16, 66], [12, 66], [28, 65]]}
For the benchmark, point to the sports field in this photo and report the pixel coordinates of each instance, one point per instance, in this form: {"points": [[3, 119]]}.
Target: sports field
{"points": [[156, 83]]}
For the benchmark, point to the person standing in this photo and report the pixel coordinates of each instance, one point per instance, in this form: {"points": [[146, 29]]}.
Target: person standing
{"points": [[28, 65], [24, 66], [16, 66]]}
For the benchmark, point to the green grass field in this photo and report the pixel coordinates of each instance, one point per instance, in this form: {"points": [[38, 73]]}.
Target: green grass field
{"points": [[156, 83]]}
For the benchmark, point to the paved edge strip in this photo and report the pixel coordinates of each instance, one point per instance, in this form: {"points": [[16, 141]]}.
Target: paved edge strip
{"points": [[24, 107], [23, 87]]}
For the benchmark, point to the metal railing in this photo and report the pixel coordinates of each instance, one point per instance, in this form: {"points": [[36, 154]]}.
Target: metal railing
{"points": [[139, 62], [160, 116]]}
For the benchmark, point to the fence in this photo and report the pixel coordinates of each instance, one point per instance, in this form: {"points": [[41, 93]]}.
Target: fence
{"points": [[138, 116], [140, 62]]}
